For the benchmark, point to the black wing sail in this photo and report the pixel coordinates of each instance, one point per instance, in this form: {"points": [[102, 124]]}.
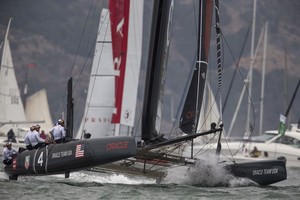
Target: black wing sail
{"points": [[156, 66], [191, 110]]}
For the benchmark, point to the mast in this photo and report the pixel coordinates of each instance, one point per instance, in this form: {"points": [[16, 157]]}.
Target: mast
{"points": [[263, 81], [70, 110], [282, 123], [251, 71], [156, 67], [245, 86], [218, 35], [191, 110]]}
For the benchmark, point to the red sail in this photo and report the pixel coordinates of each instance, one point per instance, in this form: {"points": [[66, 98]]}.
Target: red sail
{"points": [[119, 16]]}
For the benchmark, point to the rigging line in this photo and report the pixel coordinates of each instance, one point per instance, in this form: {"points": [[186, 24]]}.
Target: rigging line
{"points": [[203, 149], [98, 66], [63, 97], [208, 114], [241, 75], [292, 100], [181, 104], [86, 60], [89, 53], [219, 64], [195, 18], [81, 37], [220, 70], [236, 66]]}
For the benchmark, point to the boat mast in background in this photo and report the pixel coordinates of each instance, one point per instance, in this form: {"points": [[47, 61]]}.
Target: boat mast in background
{"points": [[262, 94], [249, 79]]}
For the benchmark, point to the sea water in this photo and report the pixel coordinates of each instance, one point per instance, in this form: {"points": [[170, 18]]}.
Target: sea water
{"points": [[179, 184]]}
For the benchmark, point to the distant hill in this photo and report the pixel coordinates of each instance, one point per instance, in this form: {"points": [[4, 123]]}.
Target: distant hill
{"points": [[50, 34]]}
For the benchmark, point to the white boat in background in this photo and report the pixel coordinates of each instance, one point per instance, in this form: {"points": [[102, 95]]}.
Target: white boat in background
{"points": [[278, 144], [37, 109], [269, 145], [14, 121], [12, 115]]}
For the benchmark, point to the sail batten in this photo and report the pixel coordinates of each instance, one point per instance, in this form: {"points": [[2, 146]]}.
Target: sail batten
{"points": [[97, 119]]}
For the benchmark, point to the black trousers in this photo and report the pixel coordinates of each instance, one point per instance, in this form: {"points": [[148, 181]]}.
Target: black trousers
{"points": [[38, 145], [59, 141], [7, 162], [29, 147]]}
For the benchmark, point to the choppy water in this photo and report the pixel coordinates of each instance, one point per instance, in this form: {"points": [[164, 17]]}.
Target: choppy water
{"points": [[91, 185]]}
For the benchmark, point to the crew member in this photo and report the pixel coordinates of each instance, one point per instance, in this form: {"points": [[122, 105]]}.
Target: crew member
{"points": [[58, 132], [35, 139], [9, 154], [43, 135], [27, 140], [11, 136]]}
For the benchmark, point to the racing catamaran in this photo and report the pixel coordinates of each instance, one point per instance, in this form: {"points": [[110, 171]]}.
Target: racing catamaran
{"points": [[153, 146]]}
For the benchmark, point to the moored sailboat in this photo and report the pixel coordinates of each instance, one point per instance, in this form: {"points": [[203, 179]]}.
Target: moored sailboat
{"points": [[14, 119], [12, 111]]}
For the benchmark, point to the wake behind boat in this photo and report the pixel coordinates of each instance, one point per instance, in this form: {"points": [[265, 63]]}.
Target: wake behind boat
{"points": [[156, 153], [152, 147]]}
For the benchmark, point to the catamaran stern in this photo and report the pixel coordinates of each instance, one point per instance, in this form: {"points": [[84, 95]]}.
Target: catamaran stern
{"points": [[71, 156]]}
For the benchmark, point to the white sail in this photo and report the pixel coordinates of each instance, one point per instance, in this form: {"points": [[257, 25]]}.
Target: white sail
{"points": [[11, 107], [37, 109], [210, 111], [100, 99], [133, 63]]}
